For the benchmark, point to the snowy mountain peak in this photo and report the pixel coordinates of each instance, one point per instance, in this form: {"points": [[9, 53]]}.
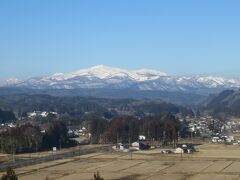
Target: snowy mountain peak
{"points": [[101, 66], [106, 72]]}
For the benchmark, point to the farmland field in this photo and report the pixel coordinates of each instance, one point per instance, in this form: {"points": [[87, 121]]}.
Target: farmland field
{"points": [[220, 162]]}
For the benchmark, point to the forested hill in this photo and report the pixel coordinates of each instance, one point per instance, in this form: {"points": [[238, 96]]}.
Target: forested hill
{"points": [[227, 102], [76, 107], [181, 98], [6, 116]]}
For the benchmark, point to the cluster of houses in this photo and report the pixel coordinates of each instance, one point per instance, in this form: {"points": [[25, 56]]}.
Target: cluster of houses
{"points": [[221, 138], [43, 114], [219, 131], [7, 125], [141, 144], [181, 149], [78, 132], [233, 126], [198, 126]]}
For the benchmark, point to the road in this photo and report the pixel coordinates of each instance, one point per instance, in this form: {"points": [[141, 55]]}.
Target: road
{"points": [[52, 157]]}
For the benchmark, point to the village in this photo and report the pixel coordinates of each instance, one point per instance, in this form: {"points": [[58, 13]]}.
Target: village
{"points": [[205, 127]]}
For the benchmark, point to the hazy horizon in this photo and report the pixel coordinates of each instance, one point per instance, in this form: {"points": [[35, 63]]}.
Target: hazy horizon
{"points": [[124, 69]]}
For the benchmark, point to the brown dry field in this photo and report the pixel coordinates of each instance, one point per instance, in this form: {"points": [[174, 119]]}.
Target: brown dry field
{"points": [[214, 162]]}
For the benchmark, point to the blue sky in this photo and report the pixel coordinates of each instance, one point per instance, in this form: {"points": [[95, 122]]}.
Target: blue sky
{"points": [[42, 37]]}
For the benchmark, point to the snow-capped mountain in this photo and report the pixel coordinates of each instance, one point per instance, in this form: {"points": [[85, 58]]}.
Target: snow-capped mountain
{"points": [[114, 78], [11, 81], [105, 72]]}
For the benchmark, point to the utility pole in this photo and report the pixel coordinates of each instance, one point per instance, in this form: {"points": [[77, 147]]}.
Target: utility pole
{"points": [[36, 143], [129, 142], [12, 149], [117, 137], [1, 144], [78, 149], [60, 145], [181, 154]]}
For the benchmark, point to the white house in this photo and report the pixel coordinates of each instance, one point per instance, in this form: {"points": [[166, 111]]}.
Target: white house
{"points": [[142, 137], [179, 151], [135, 146]]}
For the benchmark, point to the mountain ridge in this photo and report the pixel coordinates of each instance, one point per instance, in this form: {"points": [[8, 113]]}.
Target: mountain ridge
{"points": [[100, 76]]}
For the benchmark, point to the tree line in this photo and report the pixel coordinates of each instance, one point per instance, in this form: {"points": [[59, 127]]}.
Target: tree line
{"points": [[28, 138], [163, 128]]}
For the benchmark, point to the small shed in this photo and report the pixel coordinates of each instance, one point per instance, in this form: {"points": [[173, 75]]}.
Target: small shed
{"points": [[179, 151], [135, 144]]}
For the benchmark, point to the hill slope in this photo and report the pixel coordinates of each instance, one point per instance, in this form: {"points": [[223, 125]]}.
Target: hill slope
{"points": [[227, 102]]}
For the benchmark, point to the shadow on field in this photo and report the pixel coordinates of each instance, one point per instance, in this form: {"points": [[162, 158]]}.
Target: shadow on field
{"points": [[131, 177]]}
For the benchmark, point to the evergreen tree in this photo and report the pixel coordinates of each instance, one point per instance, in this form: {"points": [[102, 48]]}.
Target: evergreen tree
{"points": [[97, 176], [10, 175]]}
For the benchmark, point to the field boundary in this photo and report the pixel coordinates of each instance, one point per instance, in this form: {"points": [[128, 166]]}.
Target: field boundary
{"points": [[52, 157]]}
